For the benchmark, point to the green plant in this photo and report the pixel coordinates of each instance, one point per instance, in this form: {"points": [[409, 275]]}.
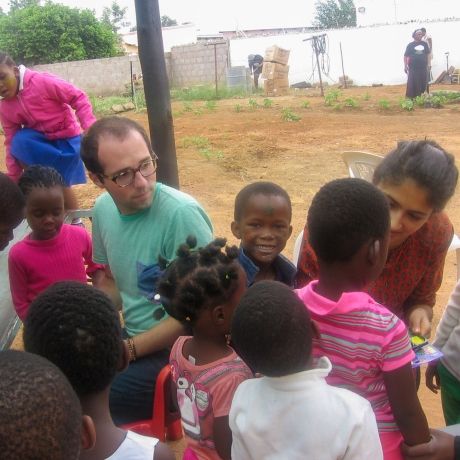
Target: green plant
{"points": [[420, 100], [337, 106], [437, 100], [366, 96], [210, 105], [268, 103], [200, 142], [238, 108], [350, 102], [305, 104], [288, 115], [209, 153], [384, 104], [407, 104], [253, 103], [331, 97], [188, 107], [198, 111]]}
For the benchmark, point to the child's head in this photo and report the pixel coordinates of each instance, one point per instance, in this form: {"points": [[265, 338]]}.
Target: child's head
{"points": [[9, 77], [350, 218], [77, 328], [11, 209], [262, 221], [202, 287], [272, 330], [40, 415], [43, 188]]}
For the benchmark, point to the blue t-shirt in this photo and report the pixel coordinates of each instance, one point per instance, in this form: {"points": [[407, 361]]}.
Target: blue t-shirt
{"points": [[131, 245]]}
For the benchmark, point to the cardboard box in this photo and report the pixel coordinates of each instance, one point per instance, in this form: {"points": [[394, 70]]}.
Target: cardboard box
{"points": [[273, 70], [276, 87], [276, 54]]}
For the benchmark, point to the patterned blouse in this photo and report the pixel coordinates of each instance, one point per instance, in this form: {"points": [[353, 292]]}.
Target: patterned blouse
{"points": [[413, 271]]}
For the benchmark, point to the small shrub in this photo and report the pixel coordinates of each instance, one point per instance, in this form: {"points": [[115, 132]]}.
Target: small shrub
{"points": [[289, 115], [188, 107], [366, 96], [420, 100], [209, 153], [384, 104], [331, 97], [350, 102], [337, 106], [210, 105], [238, 108], [407, 104], [268, 103], [306, 104], [253, 104], [200, 142]]}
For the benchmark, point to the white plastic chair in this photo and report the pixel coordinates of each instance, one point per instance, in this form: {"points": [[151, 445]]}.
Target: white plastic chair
{"points": [[362, 165], [297, 246]]}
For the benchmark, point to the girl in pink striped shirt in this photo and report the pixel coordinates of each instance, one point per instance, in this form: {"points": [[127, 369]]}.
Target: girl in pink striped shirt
{"points": [[52, 251], [368, 346]]}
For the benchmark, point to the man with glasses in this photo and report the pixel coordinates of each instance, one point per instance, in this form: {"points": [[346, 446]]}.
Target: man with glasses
{"points": [[135, 223]]}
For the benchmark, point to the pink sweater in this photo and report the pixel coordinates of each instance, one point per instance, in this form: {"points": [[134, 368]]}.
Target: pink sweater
{"points": [[47, 104], [34, 265]]}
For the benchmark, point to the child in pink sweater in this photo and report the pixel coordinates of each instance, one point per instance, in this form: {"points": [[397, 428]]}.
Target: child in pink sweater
{"points": [[52, 251]]}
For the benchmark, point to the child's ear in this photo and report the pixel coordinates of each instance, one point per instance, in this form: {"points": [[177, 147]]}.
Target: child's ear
{"points": [[88, 433], [236, 230], [218, 315], [124, 358], [96, 179], [373, 253]]}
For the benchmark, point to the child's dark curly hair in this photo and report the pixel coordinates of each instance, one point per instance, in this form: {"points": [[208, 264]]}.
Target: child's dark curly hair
{"points": [[198, 279]]}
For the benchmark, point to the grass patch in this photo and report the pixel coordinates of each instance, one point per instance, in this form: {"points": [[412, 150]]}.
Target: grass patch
{"points": [[206, 93], [289, 115], [384, 104]]}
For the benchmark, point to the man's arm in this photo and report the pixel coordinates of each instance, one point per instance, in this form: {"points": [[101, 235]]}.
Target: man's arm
{"points": [[106, 283]]}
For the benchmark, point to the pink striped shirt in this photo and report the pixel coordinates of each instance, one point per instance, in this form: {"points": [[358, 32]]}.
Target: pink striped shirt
{"points": [[362, 339]]}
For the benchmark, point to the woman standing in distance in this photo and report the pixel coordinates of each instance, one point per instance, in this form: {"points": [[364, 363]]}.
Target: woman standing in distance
{"points": [[418, 178]]}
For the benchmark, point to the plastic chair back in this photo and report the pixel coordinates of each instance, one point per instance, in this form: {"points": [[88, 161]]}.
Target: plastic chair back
{"points": [[361, 164]]}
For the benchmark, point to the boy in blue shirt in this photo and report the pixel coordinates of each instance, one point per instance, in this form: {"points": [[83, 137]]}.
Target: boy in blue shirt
{"points": [[262, 221]]}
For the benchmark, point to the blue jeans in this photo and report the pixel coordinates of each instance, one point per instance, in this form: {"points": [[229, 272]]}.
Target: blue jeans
{"points": [[131, 394]]}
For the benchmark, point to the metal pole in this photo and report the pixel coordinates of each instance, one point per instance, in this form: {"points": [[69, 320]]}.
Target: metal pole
{"points": [[215, 67], [343, 69], [132, 82], [156, 88], [317, 63]]}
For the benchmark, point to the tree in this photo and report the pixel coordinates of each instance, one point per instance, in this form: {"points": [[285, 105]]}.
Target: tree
{"points": [[114, 16], [166, 21], [55, 33], [18, 4], [335, 14]]}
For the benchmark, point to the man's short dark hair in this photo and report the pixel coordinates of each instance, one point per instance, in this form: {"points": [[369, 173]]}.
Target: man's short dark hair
{"points": [[117, 127], [258, 188], [12, 201], [271, 330], [77, 328], [343, 216], [40, 415]]}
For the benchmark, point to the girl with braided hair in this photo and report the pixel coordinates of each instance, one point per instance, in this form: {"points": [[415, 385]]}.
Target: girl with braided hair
{"points": [[201, 289]]}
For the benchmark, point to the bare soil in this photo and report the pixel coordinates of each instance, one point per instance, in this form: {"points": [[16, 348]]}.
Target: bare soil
{"points": [[248, 144]]}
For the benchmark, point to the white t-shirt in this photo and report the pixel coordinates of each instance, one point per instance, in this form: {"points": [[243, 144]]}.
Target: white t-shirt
{"points": [[135, 447], [300, 416]]}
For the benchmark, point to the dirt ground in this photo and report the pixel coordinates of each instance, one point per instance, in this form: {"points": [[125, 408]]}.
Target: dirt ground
{"points": [[220, 149]]}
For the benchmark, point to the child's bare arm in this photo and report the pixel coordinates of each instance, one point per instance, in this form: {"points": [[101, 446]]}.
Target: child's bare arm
{"points": [[408, 413], [223, 437]]}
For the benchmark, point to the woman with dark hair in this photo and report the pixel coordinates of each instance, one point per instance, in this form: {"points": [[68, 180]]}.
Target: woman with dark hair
{"points": [[416, 65], [418, 178]]}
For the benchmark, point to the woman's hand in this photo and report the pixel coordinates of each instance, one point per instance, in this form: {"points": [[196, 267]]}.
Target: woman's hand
{"points": [[432, 380], [419, 320]]}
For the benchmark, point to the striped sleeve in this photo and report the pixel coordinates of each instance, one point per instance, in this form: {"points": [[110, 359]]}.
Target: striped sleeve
{"points": [[396, 349]]}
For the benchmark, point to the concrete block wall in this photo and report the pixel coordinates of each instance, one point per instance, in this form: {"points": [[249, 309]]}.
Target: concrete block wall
{"points": [[194, 64], [98, 77]]}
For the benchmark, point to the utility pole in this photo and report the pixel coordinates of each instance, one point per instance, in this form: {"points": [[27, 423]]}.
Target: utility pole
{"points": [[215, 44], [315, 39], [156, 88]]}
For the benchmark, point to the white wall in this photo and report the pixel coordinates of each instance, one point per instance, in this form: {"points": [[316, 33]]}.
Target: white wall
{"points": [[394, 11], [371, 54]]}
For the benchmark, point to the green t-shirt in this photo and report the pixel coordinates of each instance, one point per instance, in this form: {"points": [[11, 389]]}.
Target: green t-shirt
{"points": [[131, 245]]}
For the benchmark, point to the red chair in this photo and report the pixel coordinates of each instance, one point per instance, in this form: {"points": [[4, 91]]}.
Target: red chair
{"points": [[164, 424]]}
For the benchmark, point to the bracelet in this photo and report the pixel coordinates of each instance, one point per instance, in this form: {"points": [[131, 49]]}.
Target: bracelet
{"points": [[131, 349]]}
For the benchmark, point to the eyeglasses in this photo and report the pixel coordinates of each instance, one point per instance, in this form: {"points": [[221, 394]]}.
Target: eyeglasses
{"points": [[126, 177]]}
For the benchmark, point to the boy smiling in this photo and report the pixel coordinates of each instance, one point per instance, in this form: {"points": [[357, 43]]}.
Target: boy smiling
{"points": [[262, 221]]}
